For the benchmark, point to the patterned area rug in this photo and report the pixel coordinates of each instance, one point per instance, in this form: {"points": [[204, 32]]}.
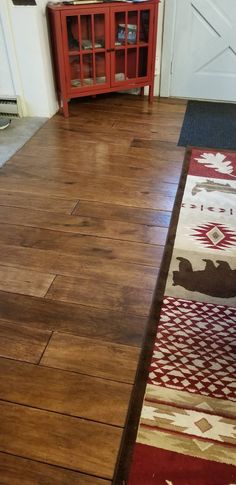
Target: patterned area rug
{"points": [[187, 429]]}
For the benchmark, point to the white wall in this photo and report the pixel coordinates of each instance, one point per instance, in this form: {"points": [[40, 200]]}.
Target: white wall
{"points": [[159, 48], [6, 81], [28, 28]]}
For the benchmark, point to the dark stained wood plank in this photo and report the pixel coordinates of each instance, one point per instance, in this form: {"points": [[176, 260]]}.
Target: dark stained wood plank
{"points": [[145, 143], [127, 166], [92, 357], [59, 440], [20, 471], [125, 105], [21, 342], [108, 271], [88, 133], [99, 124], [152, 195], [98, 294], [163, 148], [102, 160], [134, 118], [64, 392], [77, 244], [84, 225], [30, 200], [69, 318], [167, 133], [101, 183], [166, 153], [58, 150], [122, 213], [84, 134], [102, 128], [24, 281]]}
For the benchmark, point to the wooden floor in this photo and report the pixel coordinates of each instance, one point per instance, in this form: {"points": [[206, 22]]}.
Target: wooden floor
{"points": [[84, 209]]}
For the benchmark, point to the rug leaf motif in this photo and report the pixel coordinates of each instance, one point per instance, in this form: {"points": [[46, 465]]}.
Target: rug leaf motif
{"points": [[217, 161]]}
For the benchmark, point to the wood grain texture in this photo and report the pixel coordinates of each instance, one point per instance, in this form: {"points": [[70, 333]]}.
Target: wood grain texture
{"points": [[122, 213], [70, 318], [150, 195], [20, 471], [70, 265], [24, 281], [145, 143], [22, 343], [96, 294], [29, 200], [64, 392], [90, 161], [60, 440], [92, 357], [166, 135], [165, 153], [93, 226], [90, 247]]}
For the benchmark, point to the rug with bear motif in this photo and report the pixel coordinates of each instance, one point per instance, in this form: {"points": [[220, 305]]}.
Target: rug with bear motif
{"points": [[187, 428]]}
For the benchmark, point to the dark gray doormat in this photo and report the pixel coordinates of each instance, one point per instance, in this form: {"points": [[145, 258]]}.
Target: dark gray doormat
{"points": [[209, 124]]}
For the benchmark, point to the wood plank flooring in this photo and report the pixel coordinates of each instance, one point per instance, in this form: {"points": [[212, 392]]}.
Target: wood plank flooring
{"points": [[85, 207]]}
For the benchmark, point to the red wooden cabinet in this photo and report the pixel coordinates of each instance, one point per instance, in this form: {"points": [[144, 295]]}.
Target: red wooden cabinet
{"points": [[103, 47]]}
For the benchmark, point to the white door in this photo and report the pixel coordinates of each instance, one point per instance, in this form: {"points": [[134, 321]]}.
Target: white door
{"points": [[203, 60]]}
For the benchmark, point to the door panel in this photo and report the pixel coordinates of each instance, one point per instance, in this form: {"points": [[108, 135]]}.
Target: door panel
{"points": [[86, 37], [204, 53], [131, 44]]}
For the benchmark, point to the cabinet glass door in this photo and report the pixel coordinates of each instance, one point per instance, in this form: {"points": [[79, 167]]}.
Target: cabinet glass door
{"points": [[131, 37], [86, 36]]}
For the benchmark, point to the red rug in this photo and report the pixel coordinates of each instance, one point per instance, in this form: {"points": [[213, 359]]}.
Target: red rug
{"points": [[187, 428]]}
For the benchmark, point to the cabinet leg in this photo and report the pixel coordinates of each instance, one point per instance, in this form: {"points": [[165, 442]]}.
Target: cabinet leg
{"points": [[141, 91], [150, 94], [65, 108]]}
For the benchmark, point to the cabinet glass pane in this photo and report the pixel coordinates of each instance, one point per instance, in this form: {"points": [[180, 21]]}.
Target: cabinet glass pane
{"points": [[74, 69], [144, 25], [120, 30], [143, 61], [86, 32], [99, 31], [132, 27], [72, 32], [87, 70], [120, 65], [131, 63], [100, 68]]}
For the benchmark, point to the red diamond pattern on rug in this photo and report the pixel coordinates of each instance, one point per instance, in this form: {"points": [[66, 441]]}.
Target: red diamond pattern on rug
{"points": [[214, 236], [195, 348]]}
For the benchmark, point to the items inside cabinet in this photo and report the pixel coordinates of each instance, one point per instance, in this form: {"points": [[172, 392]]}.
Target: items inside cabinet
{"points": [[86, 33], [131, 32]]}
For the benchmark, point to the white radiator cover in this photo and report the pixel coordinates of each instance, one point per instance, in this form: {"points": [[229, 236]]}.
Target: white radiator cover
{"points": [[10, 106]]}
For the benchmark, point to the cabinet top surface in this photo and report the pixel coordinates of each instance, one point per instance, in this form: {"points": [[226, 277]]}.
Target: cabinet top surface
{"points": [[116, 3]]}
